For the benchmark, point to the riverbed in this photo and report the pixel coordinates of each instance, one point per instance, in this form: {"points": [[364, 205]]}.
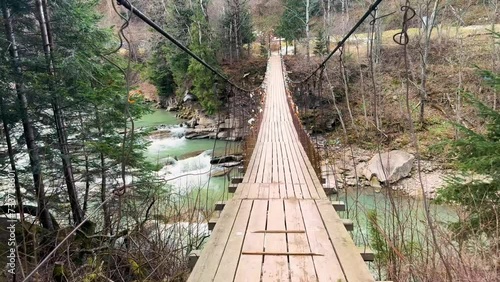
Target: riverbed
{"points": [[409, 210], [185, 163]]}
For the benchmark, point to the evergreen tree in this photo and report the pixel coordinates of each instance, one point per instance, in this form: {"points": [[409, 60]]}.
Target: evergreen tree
{"points": [[292, 23], [321, 44], [478, 158], [168, 61], [202, 45], [237, 29]]}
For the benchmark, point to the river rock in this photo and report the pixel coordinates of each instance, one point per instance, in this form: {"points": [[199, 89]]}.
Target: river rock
{"points": [[173, 108], [226, 159], [206, 121], [397, 164], [222, 135], [192, 123]]}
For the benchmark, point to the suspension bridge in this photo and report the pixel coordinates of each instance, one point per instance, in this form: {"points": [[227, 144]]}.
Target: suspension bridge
{"points": [[280, 224]]}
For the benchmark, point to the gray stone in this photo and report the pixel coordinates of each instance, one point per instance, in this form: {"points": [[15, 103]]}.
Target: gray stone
{"points": [[389, 166], [192, 123]]}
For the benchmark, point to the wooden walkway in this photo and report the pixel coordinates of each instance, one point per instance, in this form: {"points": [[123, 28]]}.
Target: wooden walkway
{"points": [[280, 225]]}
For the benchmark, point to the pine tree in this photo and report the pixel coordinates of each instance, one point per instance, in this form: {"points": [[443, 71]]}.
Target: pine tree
{"points": [[477, 156], [320, 48], [292, 23], [168, 61], [202, 45]]}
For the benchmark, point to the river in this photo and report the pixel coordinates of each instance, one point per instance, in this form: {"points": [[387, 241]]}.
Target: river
{"points": [[409, 210], [189, 176], [185, 164]]}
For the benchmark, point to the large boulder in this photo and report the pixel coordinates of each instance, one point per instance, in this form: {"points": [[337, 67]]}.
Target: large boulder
{"points": [[396, 165]]}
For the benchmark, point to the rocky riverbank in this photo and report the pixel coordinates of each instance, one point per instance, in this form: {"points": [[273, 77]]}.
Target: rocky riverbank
{"points": [[395, 169]]}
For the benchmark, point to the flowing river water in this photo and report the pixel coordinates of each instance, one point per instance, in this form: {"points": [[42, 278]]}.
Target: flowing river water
{"points": [[185, 165]]}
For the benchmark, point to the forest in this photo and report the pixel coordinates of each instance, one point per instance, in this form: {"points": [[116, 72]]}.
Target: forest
{"points": [[96, 106]]}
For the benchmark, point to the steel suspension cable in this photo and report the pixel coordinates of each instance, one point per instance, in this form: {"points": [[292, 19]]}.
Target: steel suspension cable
{"points": [[126, 4], [341, 43]]}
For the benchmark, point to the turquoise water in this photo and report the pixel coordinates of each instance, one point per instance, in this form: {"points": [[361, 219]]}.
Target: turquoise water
{"points": [[410, 211], [158, 117], [187, 177], [182, 148]]}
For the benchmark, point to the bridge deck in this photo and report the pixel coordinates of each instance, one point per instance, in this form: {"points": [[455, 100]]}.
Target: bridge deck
{"points": [[280, 225]]}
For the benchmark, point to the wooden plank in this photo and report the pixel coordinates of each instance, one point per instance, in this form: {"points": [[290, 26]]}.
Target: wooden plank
{"points": [[268, 164], [193, 258], [301, 268], [275, 167], [279, 165], [236, 180], [338, 205], [211, 255], [274, 191], [298, 191], [229, 261], [220, 205], [348, 224], [262, 164], [367, 254], [283, 192], [312, 180], [253, 190], [263, 191], [308, 179], [328, 267], [250, 267], [275, 268], [254, 163], [354, 267]]}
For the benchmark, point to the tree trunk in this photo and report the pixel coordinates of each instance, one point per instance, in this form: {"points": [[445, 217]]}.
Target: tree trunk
{"points": [[328, 24], [29, 135], [429, 25], [58, 114], [12, 161], [231, 42], [105, 206], [237, 26], [307, 28]]}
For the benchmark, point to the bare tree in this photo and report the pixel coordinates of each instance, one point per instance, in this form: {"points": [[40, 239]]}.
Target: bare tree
{"points": [[428, 16]]}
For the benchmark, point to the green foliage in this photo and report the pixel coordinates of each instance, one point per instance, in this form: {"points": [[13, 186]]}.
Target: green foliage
{"points": [[160, 73], [378, 243], [320, 47], [246, 27], [477, 156], [292, 23], [168, 65], [203, 79], [262, 47]]}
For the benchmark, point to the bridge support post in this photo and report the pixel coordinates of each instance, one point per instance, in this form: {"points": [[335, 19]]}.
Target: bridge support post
{"points": [[232, 188], [338, 205], [193, 258], [236, 180], [348, 224]]}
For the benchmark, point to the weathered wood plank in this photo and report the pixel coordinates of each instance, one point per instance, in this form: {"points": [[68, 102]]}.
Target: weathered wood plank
{"points": [[353, 265], [250, 267], [301, 268], [229, 261], [211, 255], [275, 268], [327, 267]]}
